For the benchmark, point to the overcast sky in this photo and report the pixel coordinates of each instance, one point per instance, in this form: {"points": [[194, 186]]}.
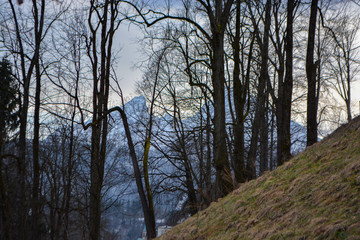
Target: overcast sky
{"points": [[127, 39]]}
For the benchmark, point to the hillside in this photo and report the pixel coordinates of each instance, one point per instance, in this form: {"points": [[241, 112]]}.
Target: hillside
{"points": [[316, 195]]}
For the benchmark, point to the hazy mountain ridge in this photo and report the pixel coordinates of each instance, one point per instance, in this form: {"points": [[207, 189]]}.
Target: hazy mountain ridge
{"points": [[119, 185], [138, 116]]}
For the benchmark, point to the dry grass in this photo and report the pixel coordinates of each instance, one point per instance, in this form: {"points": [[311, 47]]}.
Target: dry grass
{"points": [[316, 195]]}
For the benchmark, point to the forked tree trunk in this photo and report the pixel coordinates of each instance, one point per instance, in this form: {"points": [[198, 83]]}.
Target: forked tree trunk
{"points": [[283, 116], [239, 95], [36, 191], [261, 96]]}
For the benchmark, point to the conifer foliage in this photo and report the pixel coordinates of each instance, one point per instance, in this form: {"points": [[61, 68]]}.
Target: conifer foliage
{"points": [[8, 98]]}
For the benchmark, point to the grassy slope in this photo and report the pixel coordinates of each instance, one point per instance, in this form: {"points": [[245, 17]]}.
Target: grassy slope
{"points": [[316, 195]]}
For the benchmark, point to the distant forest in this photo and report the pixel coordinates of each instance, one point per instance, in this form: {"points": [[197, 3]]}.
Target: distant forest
{"points": [[225, 84]]}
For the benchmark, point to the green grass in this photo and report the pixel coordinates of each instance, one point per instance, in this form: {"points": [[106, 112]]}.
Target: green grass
{"points": [[316, 195]]}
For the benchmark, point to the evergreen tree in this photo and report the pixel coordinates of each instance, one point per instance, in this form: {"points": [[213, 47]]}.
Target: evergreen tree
{"points": [[8, 100], [8, 122]]}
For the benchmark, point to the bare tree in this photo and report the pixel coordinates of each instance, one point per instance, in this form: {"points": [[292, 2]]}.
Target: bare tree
{"points": [[345, 60], [241, 85], [217, 14], [25, 42], [283, 116], [102, 22], [261, 96]]}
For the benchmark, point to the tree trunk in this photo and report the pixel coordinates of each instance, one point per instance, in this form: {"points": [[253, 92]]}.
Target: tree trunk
{"points": [[312, 104], [148, 216], [261, 96], [223, 174], [224, 184], [348, 94], [101, 85], [21, 222], [95, 184], [36, 191], [68, 180], [272, 127], [36, 164], [239, 94], [264, 140], [193, 205], [208, 174], [284, 103]]}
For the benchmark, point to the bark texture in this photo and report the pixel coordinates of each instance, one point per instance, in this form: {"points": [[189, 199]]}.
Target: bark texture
{"points": [[312, 105]]}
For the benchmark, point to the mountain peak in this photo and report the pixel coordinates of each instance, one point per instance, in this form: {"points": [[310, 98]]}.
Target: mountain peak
{"points": [[136, 106], [138, 100]]}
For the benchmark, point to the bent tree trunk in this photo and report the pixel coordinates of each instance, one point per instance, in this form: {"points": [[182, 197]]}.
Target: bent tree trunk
{"points": [[148, 214]]}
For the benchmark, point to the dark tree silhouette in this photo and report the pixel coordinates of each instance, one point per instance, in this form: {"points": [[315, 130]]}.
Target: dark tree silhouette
{"points": [[8, 122], [312, 100]]}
